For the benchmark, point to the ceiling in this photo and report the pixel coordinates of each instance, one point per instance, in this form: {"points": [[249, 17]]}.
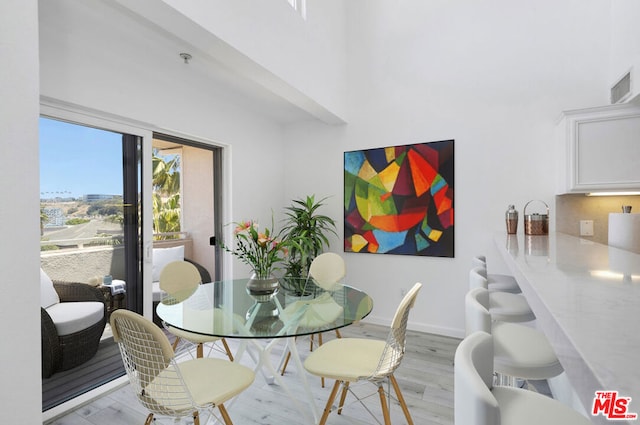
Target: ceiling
{"points": [[127, 36]]}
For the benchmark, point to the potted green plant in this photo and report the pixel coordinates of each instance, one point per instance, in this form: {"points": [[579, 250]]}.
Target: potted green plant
{"points": [[306, 232]]}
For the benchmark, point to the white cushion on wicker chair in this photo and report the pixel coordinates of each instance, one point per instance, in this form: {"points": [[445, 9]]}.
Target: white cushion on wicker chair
{"points": [[163, 256], [48, 294], [75, 316]]}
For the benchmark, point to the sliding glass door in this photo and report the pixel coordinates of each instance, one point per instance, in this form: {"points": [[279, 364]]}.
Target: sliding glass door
{"points": [[91, 221], [90, 232], [187, 200]]}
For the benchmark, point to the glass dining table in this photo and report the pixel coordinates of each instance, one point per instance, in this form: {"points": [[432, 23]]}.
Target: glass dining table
{"points": [[260, 321]]}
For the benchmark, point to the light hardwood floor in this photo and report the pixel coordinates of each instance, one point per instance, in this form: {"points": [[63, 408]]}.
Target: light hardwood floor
{"points": [[425, 376]]}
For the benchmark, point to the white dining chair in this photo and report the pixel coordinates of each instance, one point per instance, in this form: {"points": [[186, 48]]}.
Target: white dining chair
{"points": [[349, 360], [170, 388], [326, 271], [178, 281], [478, 402]]}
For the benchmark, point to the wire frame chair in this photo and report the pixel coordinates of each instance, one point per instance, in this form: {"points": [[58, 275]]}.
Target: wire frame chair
{"points": [[160, 383], [179, 280], [346, 360], [326, 271]]}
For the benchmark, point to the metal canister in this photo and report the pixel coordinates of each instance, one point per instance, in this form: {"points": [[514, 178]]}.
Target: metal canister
{"points": [[536, 224], [511, 217]]}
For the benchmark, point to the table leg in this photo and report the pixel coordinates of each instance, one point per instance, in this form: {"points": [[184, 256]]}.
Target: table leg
{"points": [[271, 375], [291, 342], [266, 361]]}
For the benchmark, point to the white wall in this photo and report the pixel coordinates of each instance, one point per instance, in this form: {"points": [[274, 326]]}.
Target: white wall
{"points": [[84, 62], [492, 75], [625, 34], [301, 52], [19, 213]]}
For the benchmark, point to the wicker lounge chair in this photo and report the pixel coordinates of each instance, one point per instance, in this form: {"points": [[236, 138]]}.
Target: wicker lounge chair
{"points": [[63, 352]]}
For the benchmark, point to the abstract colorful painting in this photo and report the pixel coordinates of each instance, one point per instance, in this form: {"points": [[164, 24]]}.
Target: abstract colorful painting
{"points": [[399, 200]]}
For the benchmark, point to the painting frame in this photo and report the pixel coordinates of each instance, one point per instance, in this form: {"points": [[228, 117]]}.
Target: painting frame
{"points": [[399, 199]]}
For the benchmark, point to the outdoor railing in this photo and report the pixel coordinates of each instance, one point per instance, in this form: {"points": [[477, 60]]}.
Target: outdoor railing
{"points": [[83, 259]]}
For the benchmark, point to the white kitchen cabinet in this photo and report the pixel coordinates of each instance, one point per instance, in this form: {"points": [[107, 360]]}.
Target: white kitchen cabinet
{"points": [[599, 149]]}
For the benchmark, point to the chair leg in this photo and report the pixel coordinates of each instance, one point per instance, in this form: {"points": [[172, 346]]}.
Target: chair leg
{"points": [[319, 344], [403, 404], [149, 420], [226, 348], [343, 396], [286, 362], [383, 403], [225, 414], [338, 335], [327, 407], [200, 351], [196, 418], [175, 343]]}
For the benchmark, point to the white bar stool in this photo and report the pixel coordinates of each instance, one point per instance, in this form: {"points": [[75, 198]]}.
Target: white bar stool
{"points": [[503, 306], [497, 282], [519, 351], [478, 402]]}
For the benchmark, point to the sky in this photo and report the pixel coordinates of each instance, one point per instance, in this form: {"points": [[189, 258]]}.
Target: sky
{"points": [[77, 160]]}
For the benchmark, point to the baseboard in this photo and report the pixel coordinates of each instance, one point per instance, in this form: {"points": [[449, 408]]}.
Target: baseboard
{"points": [[421, 327]]}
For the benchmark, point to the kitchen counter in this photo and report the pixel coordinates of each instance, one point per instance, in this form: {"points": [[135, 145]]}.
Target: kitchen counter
{"points": [[586, 297]]}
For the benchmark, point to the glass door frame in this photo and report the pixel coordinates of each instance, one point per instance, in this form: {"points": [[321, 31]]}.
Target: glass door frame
{"points": [[217, 167], [60, 110], [88, 118], [55, 109]]}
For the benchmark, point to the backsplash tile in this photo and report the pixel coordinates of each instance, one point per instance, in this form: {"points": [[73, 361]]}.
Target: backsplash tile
{"points": [[570, 209]]}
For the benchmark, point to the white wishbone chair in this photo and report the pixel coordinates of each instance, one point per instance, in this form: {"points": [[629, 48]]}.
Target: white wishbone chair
{"points": [[349, 360], [166, 387]]}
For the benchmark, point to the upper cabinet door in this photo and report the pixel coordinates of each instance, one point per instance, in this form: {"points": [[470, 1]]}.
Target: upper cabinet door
{"points": [[599, 150]]}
